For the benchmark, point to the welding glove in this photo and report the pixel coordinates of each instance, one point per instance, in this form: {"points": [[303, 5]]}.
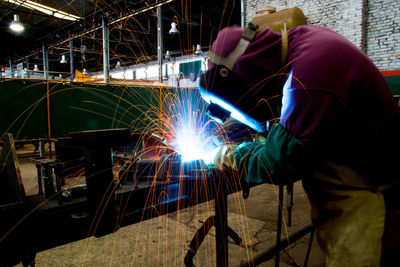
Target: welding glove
{"points": [[224, 158]]}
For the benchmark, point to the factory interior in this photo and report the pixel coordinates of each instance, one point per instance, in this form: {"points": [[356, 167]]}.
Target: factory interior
{"points": [[106, 141]]}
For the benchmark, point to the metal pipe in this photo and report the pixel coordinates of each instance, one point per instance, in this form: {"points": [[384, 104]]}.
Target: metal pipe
{"points": [[11, 68], [221, 222], [159, 43], [289, 203], [71, 59], [270, 252], [27, 67], [45, 63], [48, 116], [106, 51], [242, 13], [309, 247], [41, 149], [279, 226]]}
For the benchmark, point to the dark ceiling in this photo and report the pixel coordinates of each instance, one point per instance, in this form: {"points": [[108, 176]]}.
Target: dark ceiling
{"points": [[132, 40]]}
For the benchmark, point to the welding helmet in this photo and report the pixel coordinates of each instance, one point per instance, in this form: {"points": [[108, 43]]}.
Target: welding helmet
{"points": [[225, 86], [228, 95]]}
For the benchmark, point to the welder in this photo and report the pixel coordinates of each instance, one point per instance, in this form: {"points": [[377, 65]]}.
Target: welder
{"points": [[329, 119]]}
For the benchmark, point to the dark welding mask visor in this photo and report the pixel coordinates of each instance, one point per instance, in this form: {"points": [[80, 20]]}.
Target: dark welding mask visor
{"points": [[218, 113], [227, 96]]}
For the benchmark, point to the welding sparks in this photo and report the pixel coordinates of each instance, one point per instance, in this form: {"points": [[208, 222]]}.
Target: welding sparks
{"points": [[193, 132], [192, 145]]}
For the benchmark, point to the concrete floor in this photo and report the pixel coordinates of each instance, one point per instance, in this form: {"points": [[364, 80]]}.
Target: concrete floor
{"points": [[163, 241]]}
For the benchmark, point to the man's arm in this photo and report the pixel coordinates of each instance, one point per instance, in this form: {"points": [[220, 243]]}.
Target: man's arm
{"points": [[280, 159]]}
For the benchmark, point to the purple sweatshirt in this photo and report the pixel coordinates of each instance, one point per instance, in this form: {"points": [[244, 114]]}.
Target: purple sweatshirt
{"points": [[334, 100]]}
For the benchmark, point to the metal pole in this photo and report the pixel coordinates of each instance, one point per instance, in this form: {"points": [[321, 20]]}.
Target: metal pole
{"points": [[270, 252], [159, 43], [289, 203], [71, 59], [243, 13], [48, 116], [27, 67], [279, 226], [45, 63], [11, 68], [41, 148], [106, 51], [221, 222]]}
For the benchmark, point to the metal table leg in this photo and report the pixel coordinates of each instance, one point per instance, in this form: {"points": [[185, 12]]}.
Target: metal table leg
{"points": [[221, 222]]}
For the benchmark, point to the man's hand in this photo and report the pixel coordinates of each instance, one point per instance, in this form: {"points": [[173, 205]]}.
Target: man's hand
{"points": [[224, 158]]}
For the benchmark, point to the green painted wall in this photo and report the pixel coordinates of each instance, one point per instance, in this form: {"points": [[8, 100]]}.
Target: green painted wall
{"points": [[394, 84], [90, 107], [23, 109], [75, 107]]}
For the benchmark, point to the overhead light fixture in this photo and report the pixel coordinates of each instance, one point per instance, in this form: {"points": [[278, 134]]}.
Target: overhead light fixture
{"points": [[16, 25], [44, 9], [173, 29], [63, 60], [36, 68], [167, 55], [198, 50]]}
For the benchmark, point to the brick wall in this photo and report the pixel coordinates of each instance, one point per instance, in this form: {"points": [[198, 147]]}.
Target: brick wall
{"points": [[373, 26], [383, 33]]}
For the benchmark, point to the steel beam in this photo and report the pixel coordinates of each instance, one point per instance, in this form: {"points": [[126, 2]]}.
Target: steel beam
{"points": [[106, 51]]}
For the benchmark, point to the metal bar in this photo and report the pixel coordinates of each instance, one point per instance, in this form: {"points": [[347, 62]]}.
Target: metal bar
{"points": [[11, 68], [106, 51], [279, 226], [309, 248], [48, 117], [270, 252], [197, 240], [221, 222], [71, 59], [159, 43], [45, 62], [39, 179], [242, 13], [27, 67], [289, 203], [41, 148]]}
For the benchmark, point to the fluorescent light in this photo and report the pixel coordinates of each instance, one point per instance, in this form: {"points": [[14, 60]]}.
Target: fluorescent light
{"points": [[44, 9]]}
